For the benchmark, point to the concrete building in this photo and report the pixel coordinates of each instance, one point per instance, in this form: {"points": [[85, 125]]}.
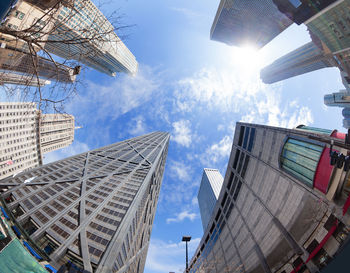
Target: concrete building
{"points": [[332, 26], [300, 11], [282, 207], [304, 59], [208, 193], [13, 61], [93, 40], [26, 134], [7, 77], [94, 209], [241, 22]]}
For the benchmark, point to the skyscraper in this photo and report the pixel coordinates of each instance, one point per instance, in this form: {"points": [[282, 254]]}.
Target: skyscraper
{"points": [[84, 34], [7, 77], [208, 193], [332, 25], [300, 11], [94, 209], [241, 22], [26, 134], [11, 60], [304, 59], [282, 207]]}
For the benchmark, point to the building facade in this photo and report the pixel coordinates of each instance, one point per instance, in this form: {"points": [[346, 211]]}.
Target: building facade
{"points": [[282, 208], [243, 22], [84, 34], [208, 193], [332, 26], [8, 77], [300, 11], [94, 209], [304, 59], [26, 135]]}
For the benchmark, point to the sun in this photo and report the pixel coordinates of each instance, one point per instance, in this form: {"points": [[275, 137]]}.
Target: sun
{"points": [[248, 58]]}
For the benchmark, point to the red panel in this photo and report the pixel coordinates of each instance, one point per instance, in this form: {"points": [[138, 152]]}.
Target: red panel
{"points": [[323, 172], [336, 134]]}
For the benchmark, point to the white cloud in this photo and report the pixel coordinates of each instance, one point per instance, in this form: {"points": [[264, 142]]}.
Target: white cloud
{"points": [[182, 216], [73, 149], [168, 256], [115, 98], [137, 126], [182, 132], [180, 171], [226, 92]]}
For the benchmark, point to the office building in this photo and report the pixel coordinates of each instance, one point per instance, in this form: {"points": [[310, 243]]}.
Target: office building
{"points": [[26, 135], [332, 26], [84, 34], [208, 193], [300, 11], [7, 77], [282, 207], [94, 209], [241, 22], [13, 61], [304, 59]]}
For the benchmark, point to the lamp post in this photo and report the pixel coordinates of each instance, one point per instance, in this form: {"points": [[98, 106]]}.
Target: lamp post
{"points": [[186, 239]]}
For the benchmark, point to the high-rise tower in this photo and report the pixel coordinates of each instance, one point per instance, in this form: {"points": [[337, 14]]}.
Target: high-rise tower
{"points": [[94, 209], [208, 193], [282, 208], [241, 22], [26, 135], [304, 59], [84, 34]]}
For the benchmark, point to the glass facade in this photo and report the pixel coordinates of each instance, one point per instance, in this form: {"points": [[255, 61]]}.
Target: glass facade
{"points": [[241, 22], [304, 59], [315, 130], [300, 158], [208, 193], [333, 26]]}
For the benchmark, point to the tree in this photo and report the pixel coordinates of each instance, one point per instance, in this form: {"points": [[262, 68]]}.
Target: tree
{"points": [[74, 30]]}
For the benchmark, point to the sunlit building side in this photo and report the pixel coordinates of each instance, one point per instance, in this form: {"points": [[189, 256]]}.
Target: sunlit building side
{"points": [[304, 59], [254, 23], [282, 208], [94, 210], [26, 135], [84, 34], [208, 193]]}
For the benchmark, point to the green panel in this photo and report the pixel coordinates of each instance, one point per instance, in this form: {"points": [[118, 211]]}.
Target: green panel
{"points": [[300, 158], [16, 259], [316, 130]]}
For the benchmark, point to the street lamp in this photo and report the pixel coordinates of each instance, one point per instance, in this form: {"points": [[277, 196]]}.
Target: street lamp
{"points": [[186, 239]]}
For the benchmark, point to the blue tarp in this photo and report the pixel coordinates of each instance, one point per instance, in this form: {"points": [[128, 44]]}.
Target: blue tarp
{"points": [[32, 251], [15, 229], [4, 213], [51, 268]]}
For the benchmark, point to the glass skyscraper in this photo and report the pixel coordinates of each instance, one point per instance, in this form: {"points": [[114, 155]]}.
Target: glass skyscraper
{"points": [[208, 193], [304, 59], [94, 209], [242, 22]]}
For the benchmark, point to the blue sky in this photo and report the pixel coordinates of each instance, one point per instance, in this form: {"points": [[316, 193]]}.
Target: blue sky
{"points": [[196, 89]]}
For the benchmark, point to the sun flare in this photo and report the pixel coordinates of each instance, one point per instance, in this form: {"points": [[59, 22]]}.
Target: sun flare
{"points": [[248, 58]]}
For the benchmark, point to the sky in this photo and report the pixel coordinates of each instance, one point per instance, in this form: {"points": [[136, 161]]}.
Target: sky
{"points": [[195, 89]]}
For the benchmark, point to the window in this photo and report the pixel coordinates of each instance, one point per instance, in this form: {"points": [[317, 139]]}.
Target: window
{"points": [[300, 158]]}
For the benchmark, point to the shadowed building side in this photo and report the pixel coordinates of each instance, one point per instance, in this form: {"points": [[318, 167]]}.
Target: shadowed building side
{"points": [[241, 22], [282, 207]]}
